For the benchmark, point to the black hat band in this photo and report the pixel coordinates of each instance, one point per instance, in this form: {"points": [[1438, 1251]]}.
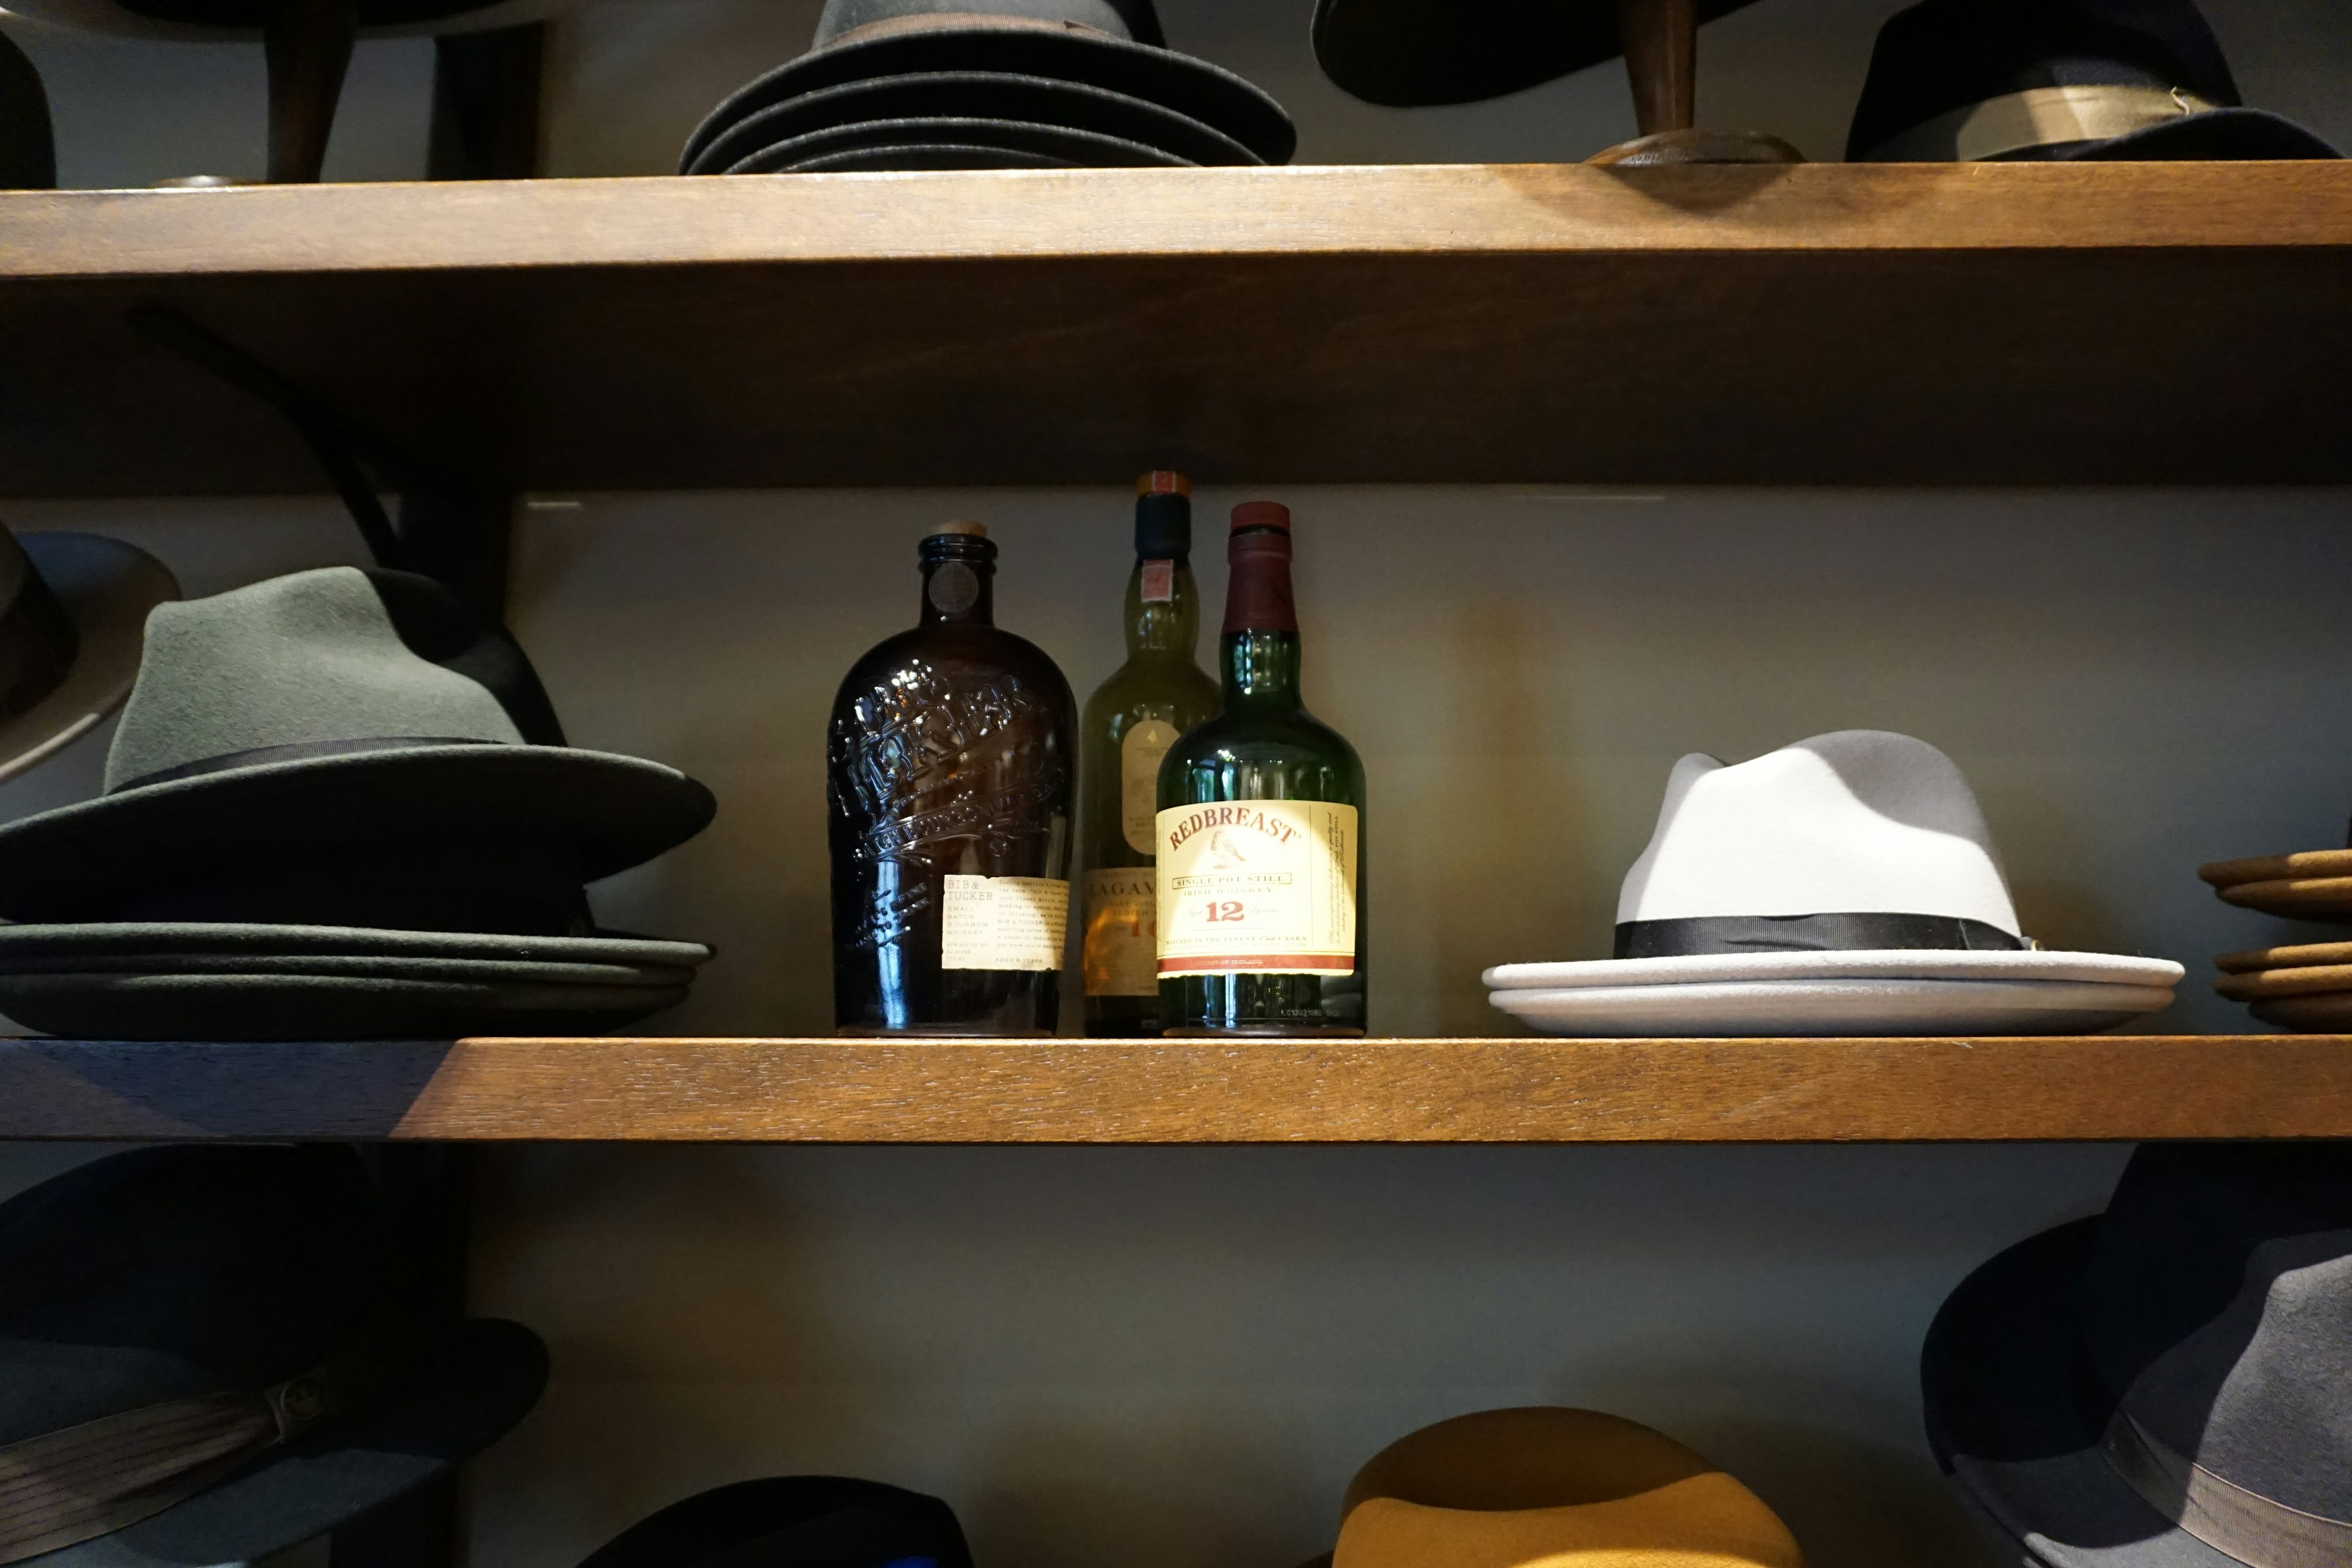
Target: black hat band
{"points": [[295, 752], [2259, 1532], [2039, 117], [1845, 931]]}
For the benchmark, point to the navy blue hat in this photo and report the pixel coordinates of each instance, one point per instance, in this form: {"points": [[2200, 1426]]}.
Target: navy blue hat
{"points": [[794, 1521], [211, 1355], [2169, 1385], [1983, 80]]}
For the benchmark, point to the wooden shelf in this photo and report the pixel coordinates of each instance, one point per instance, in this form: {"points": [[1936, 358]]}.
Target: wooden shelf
{"points": [[2096, 1087], [2044, 323]]}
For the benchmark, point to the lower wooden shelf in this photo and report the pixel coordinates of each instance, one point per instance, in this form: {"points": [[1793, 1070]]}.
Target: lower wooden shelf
{"points": [[2099, 1087]]}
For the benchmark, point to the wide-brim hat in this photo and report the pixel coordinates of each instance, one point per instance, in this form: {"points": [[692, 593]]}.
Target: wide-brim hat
{"points": [[1503, 1488], [209, 1356], [213, 21], [2162, 1386], [794, 1521], [1992, 81], [286, 735], [104, 589], [1082, 43], [1416, 54]]}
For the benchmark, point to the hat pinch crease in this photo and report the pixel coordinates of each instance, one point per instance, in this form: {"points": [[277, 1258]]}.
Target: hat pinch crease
{"points": [[2259, 1532]]}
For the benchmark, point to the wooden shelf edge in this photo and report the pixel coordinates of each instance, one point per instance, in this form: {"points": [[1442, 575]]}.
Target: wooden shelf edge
{"points": [[1529, 1090], [1450, 208]]}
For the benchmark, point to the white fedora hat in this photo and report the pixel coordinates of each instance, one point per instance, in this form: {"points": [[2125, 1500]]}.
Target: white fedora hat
{"points": [[1844, 882]]}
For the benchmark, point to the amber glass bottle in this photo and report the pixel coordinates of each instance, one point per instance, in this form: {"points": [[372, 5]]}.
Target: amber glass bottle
{"points": [[1129, 724], [948, 784], [1260, 832]]}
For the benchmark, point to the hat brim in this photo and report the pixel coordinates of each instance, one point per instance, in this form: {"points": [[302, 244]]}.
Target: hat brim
{"points": [[105, 588], [2230, 135], [488, 1377], [1058, 145], [1418, 53], [615, 812], [1888, 964], [113, 19], [167, 1003], [1802, 1008], [63, 946], [2015, 1412], [1193, 88]]}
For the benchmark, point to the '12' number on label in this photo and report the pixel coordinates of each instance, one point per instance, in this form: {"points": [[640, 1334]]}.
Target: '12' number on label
{"points": [[1230, 909]]}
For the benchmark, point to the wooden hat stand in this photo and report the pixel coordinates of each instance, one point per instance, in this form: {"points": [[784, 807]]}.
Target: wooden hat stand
{"points": [[1661, 39]]}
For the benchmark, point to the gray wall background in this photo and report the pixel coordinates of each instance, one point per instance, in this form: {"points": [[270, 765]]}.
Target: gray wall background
{"points": [[1175, 1358]]}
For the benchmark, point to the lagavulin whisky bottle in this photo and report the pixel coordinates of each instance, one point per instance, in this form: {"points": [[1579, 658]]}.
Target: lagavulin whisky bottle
{"points": [[947, 788], [1261, 831], [1129, 724]]}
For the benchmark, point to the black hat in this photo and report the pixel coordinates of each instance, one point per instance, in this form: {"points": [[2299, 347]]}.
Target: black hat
{"points": [[1413, 54], [794, 1521], [71, 607], [343, 747], [1086, 47], [28, 151], [211, 1355], [2168, 1386], [1978, 81]]}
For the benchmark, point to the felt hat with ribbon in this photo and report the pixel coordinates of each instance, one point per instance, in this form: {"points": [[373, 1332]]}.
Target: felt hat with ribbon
{"points": [[794, 1521], [343, 747], [71, 607], [1974, 80], [2168, 1385], [211, 1355], [1509, 1489]]}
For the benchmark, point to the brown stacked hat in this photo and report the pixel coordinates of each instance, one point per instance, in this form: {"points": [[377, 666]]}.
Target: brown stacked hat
{"points": [[1503, 1488], [2307, 986]]}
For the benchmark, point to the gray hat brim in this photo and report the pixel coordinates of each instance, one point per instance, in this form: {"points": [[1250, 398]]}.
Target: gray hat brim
{"points": [[2015, 1413], [105, 588], [485, 1380], [76, 862]]}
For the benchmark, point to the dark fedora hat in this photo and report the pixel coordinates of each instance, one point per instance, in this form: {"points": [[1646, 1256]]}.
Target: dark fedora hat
{"points": [[794, 1521], [71, 607], [1983, 80], [2169, 1385], [343, 747], [211, 1355], [1416, 54], [28, 149], [1110, 46]]}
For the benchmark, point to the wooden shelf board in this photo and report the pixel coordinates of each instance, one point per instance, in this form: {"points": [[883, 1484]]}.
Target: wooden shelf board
{"points": [[2101, 1087], [2044, 323]]}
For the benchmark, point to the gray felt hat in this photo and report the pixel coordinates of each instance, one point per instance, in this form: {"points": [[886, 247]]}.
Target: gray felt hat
{"points": [[2168, 1386], [343, 747]]}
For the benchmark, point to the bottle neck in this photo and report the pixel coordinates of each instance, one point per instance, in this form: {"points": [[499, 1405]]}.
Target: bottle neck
{"points": [[958, 593], [1261, 669], [1163, 610]]}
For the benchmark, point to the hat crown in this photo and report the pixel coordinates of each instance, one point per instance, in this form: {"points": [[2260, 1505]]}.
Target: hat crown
{"points": [[1130, 19], [1855, 821], [315, 660], [1946, 55], [2217, 1308]]}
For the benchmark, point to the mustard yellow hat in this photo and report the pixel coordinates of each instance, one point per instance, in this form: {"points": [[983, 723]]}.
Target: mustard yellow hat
{"points": [[1553, 1488]]}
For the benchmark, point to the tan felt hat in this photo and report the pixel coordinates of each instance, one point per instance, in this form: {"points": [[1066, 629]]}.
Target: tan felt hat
{"points": [[2279, 868], [2327, 1015], [2301, 955], [2296, 897], [1547, 1488], [2263, 984]]}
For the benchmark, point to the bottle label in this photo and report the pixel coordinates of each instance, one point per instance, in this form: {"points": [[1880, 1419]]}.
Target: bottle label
{"points": [[1158, 581], [1122, 933], [1258, 886], [1003, 922], [1139, 752]]}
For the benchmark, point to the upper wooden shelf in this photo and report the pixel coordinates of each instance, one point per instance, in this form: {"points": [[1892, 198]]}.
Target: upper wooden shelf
{"points": [[1935, 324], [2100, 1087]]}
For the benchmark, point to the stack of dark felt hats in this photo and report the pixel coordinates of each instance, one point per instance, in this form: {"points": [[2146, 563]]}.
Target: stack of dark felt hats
{"points": [[989, 84], [338, 807], [2306, 986]]}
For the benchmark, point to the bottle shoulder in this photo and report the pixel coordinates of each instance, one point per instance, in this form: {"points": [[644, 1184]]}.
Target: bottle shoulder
{"points": [[1296, 741], [940, 660], [1144, 683]]}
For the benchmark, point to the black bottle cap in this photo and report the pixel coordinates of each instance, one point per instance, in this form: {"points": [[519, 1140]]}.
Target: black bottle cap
{"points": [[1163, 517]]}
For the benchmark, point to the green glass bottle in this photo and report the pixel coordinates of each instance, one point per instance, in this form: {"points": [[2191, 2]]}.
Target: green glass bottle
{"points": [[1261, 831], [1129, 724]]}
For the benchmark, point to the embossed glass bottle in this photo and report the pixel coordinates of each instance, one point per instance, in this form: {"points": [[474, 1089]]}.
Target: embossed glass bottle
{"points": [[948, 784], [1260, 836], [1129, 724]]}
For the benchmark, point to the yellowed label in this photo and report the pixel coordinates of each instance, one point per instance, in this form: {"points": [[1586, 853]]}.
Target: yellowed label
{"points": [[1139, 752], [1003, 922], [1122, 948], [1258, 886]]}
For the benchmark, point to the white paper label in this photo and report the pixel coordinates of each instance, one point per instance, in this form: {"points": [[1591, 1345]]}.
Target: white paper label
{"points": [[1141, 751], [1122, 952], [1003, 922], [1258, 886]]}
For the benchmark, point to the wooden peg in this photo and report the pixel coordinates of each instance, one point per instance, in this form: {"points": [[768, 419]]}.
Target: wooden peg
{"points": [[308, 47], [1661, 39]]}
